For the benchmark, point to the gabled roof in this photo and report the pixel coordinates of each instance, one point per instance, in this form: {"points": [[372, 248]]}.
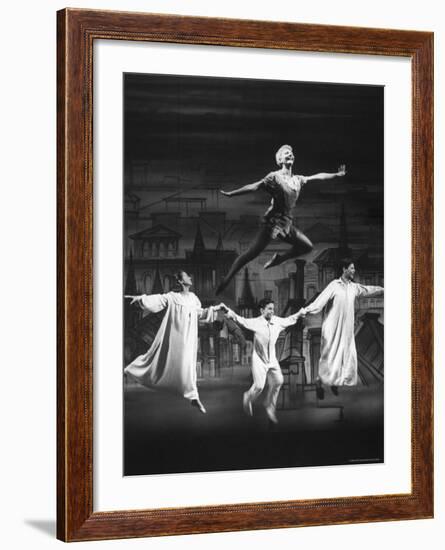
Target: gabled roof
{"points": [[156, 231], [331, 256]]}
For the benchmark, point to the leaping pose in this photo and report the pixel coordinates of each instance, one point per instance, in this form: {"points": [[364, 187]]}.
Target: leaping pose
{"points": [[170, 362], [284, 188]]}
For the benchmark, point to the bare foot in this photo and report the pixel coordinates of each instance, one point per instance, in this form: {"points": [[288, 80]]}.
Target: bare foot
{"points": [[272, 262], [270, 411], [197, 403], [247, 404]]}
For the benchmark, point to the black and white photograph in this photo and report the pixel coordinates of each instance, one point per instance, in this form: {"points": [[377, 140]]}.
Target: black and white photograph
{"points": [[253, 274], [223, 219]]}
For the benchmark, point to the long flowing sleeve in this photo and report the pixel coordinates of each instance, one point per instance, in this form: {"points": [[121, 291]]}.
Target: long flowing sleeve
{"points": [[153, 303], [205, 315], [319, 303], [363, 290]]}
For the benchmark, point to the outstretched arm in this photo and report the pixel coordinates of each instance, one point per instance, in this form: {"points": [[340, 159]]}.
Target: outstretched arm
{"points": [[249, 188], [326, 175], [249, 324], [208, 315], [319, 303], [151, 302], [369, 290], [291, 320]]}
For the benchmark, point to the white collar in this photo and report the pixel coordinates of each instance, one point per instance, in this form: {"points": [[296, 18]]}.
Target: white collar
{"points": [[271, 322]]}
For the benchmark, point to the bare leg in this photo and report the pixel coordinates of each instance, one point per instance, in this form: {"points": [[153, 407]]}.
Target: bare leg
{"points": [[260, 243], [300, 245]]}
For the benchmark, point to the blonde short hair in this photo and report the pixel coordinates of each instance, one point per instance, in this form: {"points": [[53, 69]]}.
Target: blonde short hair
{"points": [[279, 153]]}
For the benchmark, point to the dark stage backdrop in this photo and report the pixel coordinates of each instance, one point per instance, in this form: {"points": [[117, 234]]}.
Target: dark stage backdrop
{"points": [[185, 139]]}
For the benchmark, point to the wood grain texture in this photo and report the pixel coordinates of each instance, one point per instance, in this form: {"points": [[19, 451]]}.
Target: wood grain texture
{"points": [[77, 30]]}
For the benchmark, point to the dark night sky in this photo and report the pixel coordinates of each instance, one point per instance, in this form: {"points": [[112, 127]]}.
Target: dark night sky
{"points": [[230, 129]]}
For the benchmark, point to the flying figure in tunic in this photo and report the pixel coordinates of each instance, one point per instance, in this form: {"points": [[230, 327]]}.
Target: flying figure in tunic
{"points": [[284, 188], [170, 362], [338, 354]]}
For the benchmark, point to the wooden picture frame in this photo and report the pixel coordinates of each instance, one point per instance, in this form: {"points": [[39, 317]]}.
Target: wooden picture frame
{"points": [[77, 31]]}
